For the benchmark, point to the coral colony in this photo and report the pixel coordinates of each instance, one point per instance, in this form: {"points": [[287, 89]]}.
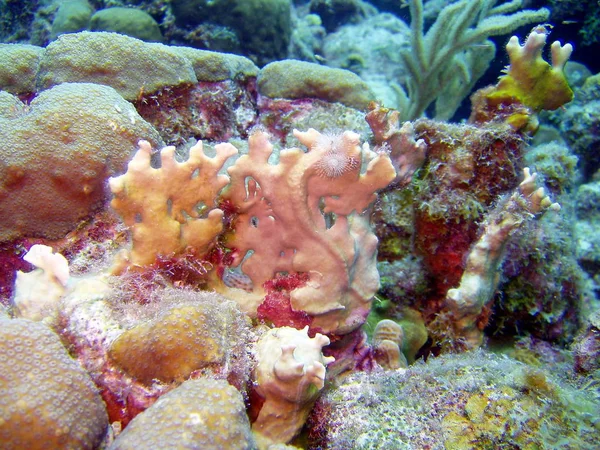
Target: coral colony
{"points": [[236, 314]]}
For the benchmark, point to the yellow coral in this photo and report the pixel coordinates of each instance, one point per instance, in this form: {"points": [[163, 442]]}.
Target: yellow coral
{"points": [[531, 80], [161, 206]]}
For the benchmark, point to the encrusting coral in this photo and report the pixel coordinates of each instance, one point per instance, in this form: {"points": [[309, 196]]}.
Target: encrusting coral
{"points": [[469, 169], [480, 277], [309, 203]]}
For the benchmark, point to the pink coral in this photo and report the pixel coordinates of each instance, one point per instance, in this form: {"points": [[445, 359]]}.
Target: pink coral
{"points": [[293, 217]]}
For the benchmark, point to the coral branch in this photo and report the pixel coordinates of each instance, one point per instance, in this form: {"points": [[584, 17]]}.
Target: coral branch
{"points": [[480, 278], [163, 207], [445, 62], [290, 374]]}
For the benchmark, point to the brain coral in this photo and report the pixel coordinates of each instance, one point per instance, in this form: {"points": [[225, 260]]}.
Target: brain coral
{"points": [[48, 402], [57, 153], [202, 413]]}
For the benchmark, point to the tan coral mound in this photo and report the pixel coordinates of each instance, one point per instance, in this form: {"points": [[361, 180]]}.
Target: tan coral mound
{"points": [[57, 153], [47, 402], [203, 413], [178, 342]]}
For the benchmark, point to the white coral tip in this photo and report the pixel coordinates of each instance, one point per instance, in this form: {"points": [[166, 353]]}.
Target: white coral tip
{"points": [[54, 264], [322, 340], [560, 54], [328, 360], [287, 368], [316, 374]]}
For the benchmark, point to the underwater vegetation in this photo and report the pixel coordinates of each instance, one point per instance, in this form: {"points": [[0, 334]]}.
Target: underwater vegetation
{"points": [[320, 259]]}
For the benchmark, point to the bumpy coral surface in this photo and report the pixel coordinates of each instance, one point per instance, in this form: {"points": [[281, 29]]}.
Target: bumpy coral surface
{"points": [[135, 66], [170, 347], [21, 63], [299, 79], [201, 413], [57, 153], [47, 400], [136, 352], [474, 400]]}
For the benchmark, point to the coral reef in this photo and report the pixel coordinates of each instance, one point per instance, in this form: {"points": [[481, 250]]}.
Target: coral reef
{"points": [[262, 28], [167, 222], [445, 62], [544, 250], [334, 13], [578, 125], [70, 17], [138, 342], [388, 338], [240, 296], [303, 207], [168, 348], [134, 64], [21, 63], [467, 176], [407, 153], [479, 279], [371, 49], [57, 153], [587, 220], [587, 347]]}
